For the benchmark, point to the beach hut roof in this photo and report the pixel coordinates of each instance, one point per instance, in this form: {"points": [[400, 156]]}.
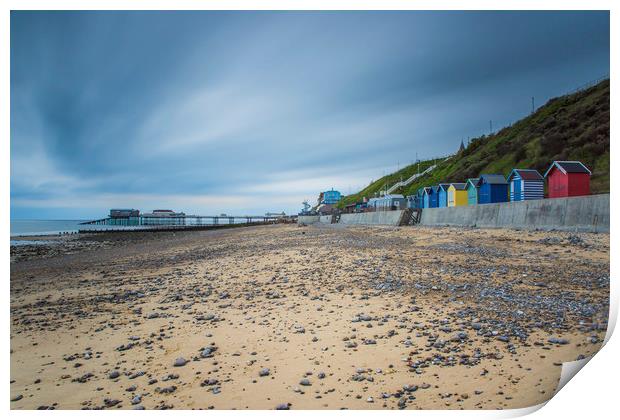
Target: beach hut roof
{"points": [[459, 185], [444, 186], [427, 190], [526, 174], [473, 182], [569, 166], [491, 179]]}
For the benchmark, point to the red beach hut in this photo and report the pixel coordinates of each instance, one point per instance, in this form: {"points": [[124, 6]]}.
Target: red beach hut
{"points": [[568, 179]]}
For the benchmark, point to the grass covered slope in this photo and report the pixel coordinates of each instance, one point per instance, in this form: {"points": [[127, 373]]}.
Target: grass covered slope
{"points": [[387, 181], [570, 127]]}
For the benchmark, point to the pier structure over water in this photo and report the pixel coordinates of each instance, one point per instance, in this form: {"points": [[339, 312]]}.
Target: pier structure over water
{"points": [[179, 221]]}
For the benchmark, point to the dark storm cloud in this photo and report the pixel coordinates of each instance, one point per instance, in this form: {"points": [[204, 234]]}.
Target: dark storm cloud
{"points": [[225, 111]]}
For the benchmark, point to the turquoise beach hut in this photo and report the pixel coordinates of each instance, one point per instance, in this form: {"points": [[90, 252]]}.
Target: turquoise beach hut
{"points": [[472, 191]]}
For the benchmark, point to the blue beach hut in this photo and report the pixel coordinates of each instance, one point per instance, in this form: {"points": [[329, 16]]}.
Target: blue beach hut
{"points": [[434, 197], [416, 200], [430, 197], [492, 188], [426, 197], [472, 191], [442, 196], [526, 184]]}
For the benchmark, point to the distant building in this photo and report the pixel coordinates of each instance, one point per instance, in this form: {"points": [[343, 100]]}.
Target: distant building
{"points": [[568, 179], [124, 217], [526, 184], [123, 213], [163, 217], [330, 197], [457, 194], [388, 202], [324, 209], [492, 188]]}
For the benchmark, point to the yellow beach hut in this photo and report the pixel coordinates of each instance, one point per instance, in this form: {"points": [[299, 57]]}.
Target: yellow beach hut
{"points": [[457, 194]]}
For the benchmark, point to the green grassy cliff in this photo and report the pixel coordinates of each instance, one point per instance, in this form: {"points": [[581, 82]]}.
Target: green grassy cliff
{"points": [[571, 127]]}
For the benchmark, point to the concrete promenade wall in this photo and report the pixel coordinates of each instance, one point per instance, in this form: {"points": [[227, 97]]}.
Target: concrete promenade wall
{"points": [[326, 219], [307, 220], [585, 214], [390, 218]]}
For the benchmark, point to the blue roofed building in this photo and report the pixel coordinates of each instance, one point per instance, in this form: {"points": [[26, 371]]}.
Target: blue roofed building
{"points": [[331, 197]]}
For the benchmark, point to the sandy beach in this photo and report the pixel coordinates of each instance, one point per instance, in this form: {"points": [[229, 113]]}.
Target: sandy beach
{"points": [[309, 317]]}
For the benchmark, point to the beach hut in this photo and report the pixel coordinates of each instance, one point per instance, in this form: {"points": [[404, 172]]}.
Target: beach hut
{"points": [[492, 188], [430, 197], [526, 184], [434, 197], [568, 179], [472, 191], [426, 197], [420, 197], [442, 196], [388, 202], [416, 200], [457, 194]]}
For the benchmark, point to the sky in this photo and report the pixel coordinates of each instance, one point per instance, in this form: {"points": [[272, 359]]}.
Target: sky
{"points": [[249, 112]]}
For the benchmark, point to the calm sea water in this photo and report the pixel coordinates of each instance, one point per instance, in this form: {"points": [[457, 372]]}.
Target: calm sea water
{"points": [[43, 227]]}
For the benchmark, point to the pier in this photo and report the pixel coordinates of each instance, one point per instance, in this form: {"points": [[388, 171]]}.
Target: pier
{"points": [[177, 222]]}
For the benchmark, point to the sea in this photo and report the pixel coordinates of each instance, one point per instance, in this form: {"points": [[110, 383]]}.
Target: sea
{"points": [[23, 227]]}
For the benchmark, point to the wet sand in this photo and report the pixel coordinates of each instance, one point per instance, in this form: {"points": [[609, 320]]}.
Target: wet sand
{"points": [[305, 318]]}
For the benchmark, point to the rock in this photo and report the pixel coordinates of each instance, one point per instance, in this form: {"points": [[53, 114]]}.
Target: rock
{"points": [[137, 374], [208, 352], [555, 340], [114, 374], [263, 372], [166, 390], [180, 362], [282, 406], [108, 402], [136, 400], [17, 397], [460, 336], [305, 382]]}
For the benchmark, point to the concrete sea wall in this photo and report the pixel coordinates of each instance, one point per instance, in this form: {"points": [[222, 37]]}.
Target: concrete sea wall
{"points": [[326, 219], [389, 218], [308, 220], [585, 214]]}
